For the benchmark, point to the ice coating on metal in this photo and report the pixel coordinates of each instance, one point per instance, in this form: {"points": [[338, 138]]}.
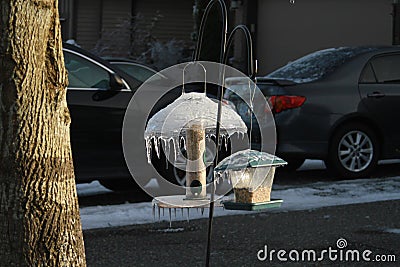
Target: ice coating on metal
{"points": [[249, 158], [170, 123], [248, 168]]}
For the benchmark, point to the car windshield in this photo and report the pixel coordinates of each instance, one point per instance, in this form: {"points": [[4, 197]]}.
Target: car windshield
{"points": [[316, 65]]}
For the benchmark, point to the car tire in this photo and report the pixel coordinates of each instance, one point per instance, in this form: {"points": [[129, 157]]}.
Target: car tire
{"points": [[353, 151]]}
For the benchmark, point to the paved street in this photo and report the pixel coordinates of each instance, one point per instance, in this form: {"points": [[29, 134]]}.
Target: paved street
{"points": [[238, 239]]}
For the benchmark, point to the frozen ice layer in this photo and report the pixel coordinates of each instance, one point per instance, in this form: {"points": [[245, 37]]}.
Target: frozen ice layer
{"points": [[193, 108], [249, 158], [167, 127]]}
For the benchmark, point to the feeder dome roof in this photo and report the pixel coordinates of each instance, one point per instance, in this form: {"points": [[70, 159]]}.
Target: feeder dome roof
{"points": [[249, 159], [190, 109]]}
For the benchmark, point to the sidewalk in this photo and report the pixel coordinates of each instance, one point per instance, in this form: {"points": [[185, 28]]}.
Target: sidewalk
{"points": [[237, 239]]}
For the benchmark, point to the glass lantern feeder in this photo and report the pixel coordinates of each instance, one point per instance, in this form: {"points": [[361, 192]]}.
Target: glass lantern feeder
{"points": [[251, 173]]}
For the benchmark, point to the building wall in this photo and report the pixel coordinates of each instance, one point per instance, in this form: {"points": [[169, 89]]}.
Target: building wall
{"points": [[104, 26], [116, 16], [65, 8], [88, 22], [105, 19], [287, 31]]}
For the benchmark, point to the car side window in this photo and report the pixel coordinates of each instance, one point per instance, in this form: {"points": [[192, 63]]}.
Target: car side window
{"points": [[368, 75], [387, 68], [83, 73], [138, 72]]}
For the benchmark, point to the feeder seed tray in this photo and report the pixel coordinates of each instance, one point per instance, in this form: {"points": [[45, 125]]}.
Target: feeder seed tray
{"points": [[274, 203]]}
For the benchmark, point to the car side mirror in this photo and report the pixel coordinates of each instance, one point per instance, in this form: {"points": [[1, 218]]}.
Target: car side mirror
{"points": [[116, 82]]}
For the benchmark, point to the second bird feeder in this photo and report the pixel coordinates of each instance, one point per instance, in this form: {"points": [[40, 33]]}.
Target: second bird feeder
{"points": [[251, 173]]}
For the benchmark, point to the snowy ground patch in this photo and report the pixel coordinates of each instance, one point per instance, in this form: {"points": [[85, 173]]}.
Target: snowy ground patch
{"points": [[311, 196], [323, 194]]}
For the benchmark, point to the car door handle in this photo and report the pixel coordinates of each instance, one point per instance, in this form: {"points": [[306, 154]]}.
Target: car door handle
{"points": [[376, 95]]}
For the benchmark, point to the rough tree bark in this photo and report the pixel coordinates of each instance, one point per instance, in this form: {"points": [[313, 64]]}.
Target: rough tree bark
{"points": [[39, 213]]}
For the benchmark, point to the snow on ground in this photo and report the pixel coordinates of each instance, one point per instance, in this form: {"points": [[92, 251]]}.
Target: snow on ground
{"points": [[323, 194], [93, 188], [393, 231], [303, 197]]}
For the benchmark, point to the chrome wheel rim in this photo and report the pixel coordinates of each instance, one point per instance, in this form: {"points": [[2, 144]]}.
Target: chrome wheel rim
{"points": [[355, 151]]}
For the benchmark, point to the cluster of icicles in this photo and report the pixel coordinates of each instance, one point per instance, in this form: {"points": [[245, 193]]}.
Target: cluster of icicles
{"points": [[161, 212], [167, 127], [159, 209], [178, 143]]}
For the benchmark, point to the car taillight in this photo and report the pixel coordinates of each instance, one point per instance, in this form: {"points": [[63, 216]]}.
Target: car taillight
{"points": [[280, 103]]}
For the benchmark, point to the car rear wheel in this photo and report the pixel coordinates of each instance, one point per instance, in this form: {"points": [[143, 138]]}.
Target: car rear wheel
{"points": [[354, 151]]}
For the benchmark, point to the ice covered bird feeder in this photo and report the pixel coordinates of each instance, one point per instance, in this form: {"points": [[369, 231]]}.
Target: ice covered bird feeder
{"points": [[190, 119], [251, 173]]}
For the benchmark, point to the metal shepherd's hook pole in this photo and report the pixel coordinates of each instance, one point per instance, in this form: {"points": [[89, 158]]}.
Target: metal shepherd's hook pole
{"points": [[197, 54], [222, 60]]}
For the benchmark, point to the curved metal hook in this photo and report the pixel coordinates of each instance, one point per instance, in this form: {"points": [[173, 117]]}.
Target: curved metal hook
{"points": [[224, 13], [183, 75], [251, 64]]}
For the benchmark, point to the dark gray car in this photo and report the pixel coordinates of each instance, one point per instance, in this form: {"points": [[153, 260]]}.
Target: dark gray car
{"points": [[339, 105]]}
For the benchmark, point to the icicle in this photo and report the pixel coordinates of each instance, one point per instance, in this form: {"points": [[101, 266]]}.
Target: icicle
{"points": [[159, 213], [170, 218], [166, 162], [197, 210], [187, 214], [148, 149], [163, 212], [154, 212], [164, 143], [184, 142], [182, 212], [174, 142], [175, 212], [202, 211]]}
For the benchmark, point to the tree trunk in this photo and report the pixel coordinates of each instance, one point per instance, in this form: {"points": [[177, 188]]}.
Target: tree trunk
{"points": [[39, 212]]}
